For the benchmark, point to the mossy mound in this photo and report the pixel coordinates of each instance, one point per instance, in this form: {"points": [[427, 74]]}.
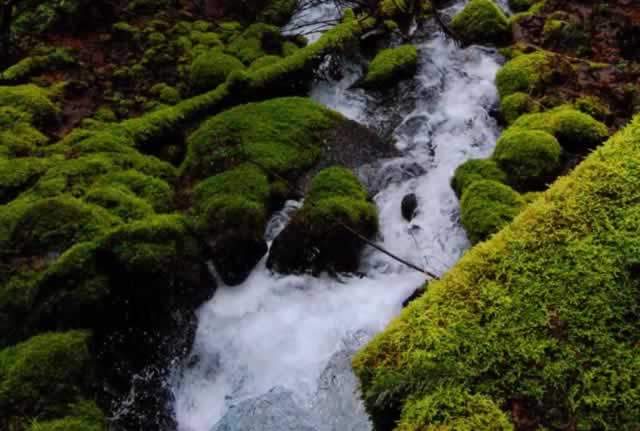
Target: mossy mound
{"points": [[256, 41], [32, 100], [120, 202], [540, 318], [29, 66], [232, 210], [316, 240], [575, 130], [18, 136], [211, 69], [453, 409], [525, 73], [515, 105], [283, 135], [486, 207], [482, 21], [84, 416], [18, 175], [475, 170], [392, 64], [43, 375], [530, 158]]}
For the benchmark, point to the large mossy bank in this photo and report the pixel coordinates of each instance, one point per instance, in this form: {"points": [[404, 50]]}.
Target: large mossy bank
{"points": [[536, 326]]}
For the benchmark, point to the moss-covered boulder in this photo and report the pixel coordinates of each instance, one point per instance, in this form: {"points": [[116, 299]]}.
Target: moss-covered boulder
{"points": [[575, 130], [530, 158], [320, 236], [18, 175], [211, 69], [42, 376], [232, 210], [18, 136], [31, 99], [391, 64], [515, 105], [486, 207], [482, 21], [526, 73], [256, 41], [475, 170]]}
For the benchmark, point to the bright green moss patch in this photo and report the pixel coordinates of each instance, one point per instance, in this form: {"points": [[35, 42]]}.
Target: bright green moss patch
{"points": [[18, 175], [529, 157], [256, 41], [475, 170], [576, 131], [17, 135], [120, 202], [486, 207], [30, 99], [391, 65], [43, 375], [30, 66], [525, 73], [267, 60], [211, 69], [542, 314], [156, 192], [283, 135], [453, 409], [482, 21], [516, 104]]}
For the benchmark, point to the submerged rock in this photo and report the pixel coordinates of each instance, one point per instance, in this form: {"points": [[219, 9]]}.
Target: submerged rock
{"points": [[273, 411], [408, 206]]}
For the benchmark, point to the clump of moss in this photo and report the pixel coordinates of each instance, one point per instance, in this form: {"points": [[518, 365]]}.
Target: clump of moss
{"points": [[83, 416], [18, 136], [529, 157], [316, 239], [482, 21], [594, 107], [168, 94], [19, 174], [525, 73], [41, 376], [267, 60], [32, 100], [392, 64], [120, 202], [30, 66], [283, 135], [211, 69], [475, 170], [256, 41], [453, 409], [515, 105], [392, 8], [486, 207], [157, 192], [542, 315], [574, 130]]}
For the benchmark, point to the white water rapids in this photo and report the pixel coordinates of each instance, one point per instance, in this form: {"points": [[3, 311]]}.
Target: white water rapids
{"points": [[273, 353]]}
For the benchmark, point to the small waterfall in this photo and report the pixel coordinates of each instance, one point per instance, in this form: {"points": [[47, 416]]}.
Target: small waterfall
{"points": [[274, 353]]}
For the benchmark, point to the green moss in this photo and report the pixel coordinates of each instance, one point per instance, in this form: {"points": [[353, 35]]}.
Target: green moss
{"points": [[516, 104], [84, 416], [542, 314], [392, 8], [525, 73], [267, 60], [475, 170], [553, 28], [574, 130], [486, 207], [53, 225], [19, 174], [120, 202], [482, 21], [17, 134], [166, 93], [453, 409], [44, 374], [30, 66], [211, 69], [32, 100], [157, 192], [256, 41], [105, 114], [391, 65], [283, 135], [594, 107], [529, 157]]}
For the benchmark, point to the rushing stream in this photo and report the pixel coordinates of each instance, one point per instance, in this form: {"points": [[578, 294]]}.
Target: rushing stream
{"points": [[274, 353]]}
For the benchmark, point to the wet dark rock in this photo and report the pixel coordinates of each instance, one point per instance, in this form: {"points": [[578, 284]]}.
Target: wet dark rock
{"points": [[409, 206], [235, 257]]}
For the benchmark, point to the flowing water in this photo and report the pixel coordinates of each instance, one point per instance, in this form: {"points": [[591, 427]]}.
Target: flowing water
{"points": [[274, 353]]}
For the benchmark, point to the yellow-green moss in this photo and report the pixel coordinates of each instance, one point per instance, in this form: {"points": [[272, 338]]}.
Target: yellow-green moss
{"points": [[30, 99], [83, 416], [211, 69], [392, 64], [475, 170], [482, 21], [525, 73], [516, 104], [542, 314]]}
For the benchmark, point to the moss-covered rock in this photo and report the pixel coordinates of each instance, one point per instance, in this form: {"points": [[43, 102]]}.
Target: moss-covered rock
{"points": [[83, 416], [43, 375], [18, 136], [256, 41], [211, 69], [30, 99], [29, 66], [170, 95], [316, 239], [486, 207], [283, 135], [392, 64], [232, 210], [267, 60], [525, 73], [530, 158], [576, 131], [156, 192], [475, 170], [18, 175], [515, 105], [120, 202], [482, 21], [540, 318]]}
